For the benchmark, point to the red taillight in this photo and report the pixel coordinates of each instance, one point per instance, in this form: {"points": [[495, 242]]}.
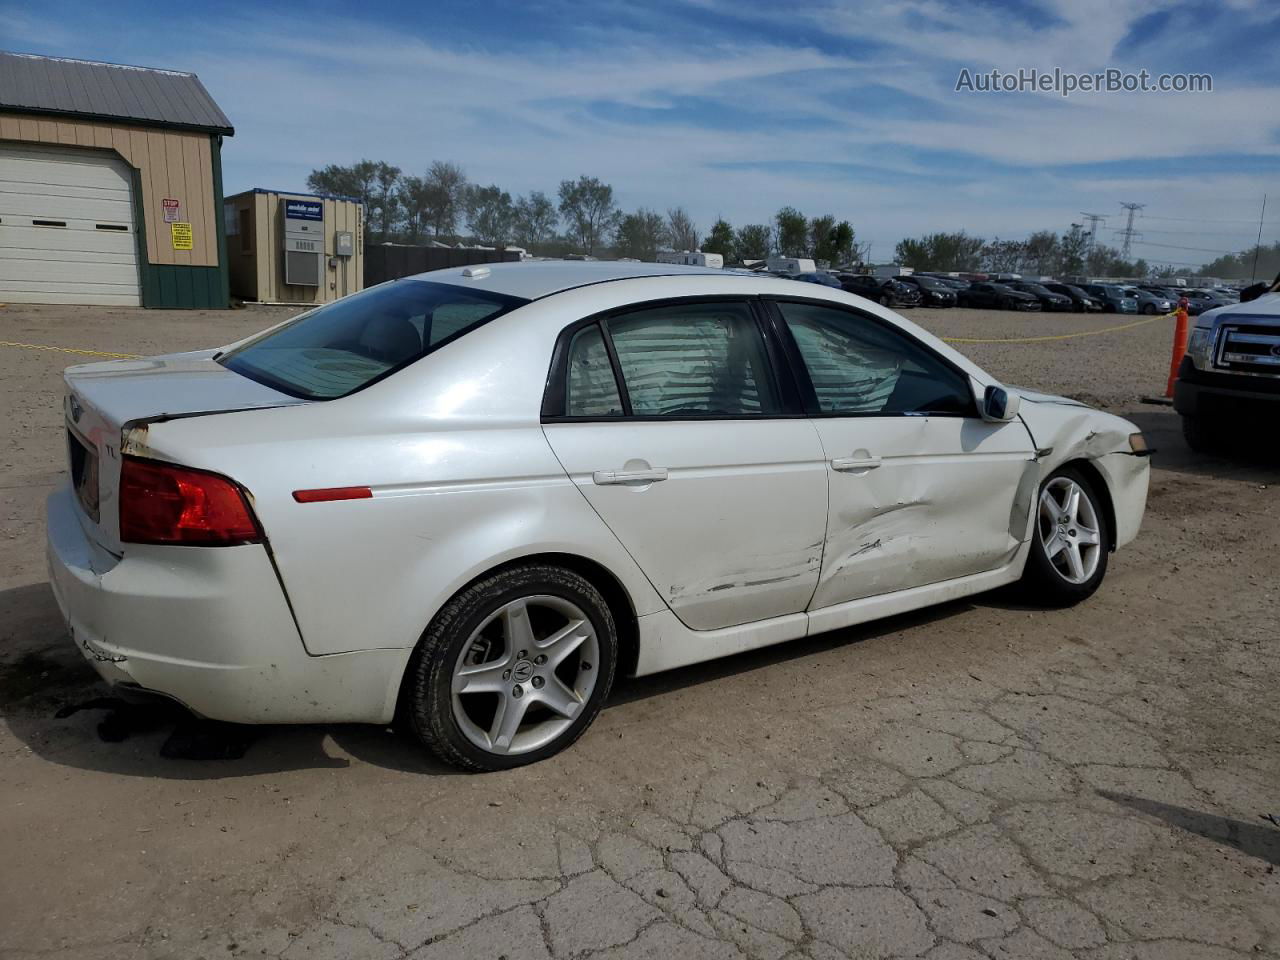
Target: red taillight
{"points": [[164, 503]]}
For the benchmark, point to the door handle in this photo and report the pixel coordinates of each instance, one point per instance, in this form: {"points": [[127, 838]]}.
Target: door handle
{"points": [[849, 464], [634, 478]]}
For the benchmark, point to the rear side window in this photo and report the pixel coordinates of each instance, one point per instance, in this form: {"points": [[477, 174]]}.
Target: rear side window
{"points": [[591, 390], [694, 360], [858, 366], [351, 343]]}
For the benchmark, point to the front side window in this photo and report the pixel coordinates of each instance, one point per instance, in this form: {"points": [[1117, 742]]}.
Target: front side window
{"points": [[858, 366], [350, 343], [694, 360]]}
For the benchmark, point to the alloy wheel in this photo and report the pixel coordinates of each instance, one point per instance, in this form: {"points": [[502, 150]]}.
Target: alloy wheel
{"points": [[524, 674], [1069, 530]]}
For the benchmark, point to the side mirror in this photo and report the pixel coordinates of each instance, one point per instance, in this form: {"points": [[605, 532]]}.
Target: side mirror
{"points": [[999, 404]]}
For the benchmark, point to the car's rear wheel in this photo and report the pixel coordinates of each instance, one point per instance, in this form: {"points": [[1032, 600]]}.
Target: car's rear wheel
{"points": [[513, 669], [1068, 556]]}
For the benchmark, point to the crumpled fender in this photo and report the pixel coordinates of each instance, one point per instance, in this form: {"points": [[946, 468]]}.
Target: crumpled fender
{"points": [[1065, 430]]}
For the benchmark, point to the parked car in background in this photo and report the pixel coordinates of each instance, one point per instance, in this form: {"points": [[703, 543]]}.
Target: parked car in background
{"points": [[1049, 300], [1149, 302], [1197, 302], [340, 520], [816, 276], [955, 283], [997, 296], [1081, 302], [1229, 294], [933, 292], [1112, 298], [1215, 298], [1228, 384], [886, 291]]}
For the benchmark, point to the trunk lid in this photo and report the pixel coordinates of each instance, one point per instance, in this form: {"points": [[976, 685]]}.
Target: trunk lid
{"points": [[107, 405]]}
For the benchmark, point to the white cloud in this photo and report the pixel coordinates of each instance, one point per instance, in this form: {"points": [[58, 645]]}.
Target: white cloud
{"points": [[340, 89]]}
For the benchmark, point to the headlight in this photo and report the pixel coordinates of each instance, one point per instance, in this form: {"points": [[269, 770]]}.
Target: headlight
{"points": [[1200, 347], [1138, 445]]}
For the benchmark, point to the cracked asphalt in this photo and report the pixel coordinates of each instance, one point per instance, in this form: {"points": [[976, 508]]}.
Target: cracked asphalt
{"points": [[980, 780]]}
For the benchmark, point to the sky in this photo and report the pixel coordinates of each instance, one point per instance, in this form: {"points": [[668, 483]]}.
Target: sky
{"points": [[735, 108]]}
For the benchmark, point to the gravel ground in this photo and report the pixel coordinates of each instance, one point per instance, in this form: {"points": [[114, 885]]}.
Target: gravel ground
{"points": [[978, 780]]}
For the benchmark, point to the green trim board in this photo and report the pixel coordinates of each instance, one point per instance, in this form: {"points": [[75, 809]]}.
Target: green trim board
{"points": [[220, 219]]}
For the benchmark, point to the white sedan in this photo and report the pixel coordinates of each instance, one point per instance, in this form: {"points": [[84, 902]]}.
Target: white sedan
{"points": [[466, 500]]}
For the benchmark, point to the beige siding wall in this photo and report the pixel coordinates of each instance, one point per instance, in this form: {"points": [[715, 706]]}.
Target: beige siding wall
{"points": [[171, 164], [258, 273]]}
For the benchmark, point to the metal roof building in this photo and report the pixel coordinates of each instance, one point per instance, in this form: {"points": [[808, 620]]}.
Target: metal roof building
{"points": [[110, 185]]}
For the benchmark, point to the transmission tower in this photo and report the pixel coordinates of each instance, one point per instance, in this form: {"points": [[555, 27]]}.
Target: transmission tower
{"points": [[1128, 232], [1094, 219]]}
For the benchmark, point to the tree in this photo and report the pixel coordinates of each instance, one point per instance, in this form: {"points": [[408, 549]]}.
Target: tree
{"points": [[1042, 253], [412, 199], [445, 196], [387, 180], [534, 219], [682, 232], [355, 181], [1072, 248], [793, 232], [489, 214], [721, 240], [941, 251], [374, 183], [842, 241], [821, 230], [1258, 262], [1104, 261], [753, 242], [1004, 256], [587, 206], [639, 235]]}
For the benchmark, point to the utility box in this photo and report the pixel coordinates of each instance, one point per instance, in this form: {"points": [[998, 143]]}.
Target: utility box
{"points": [[303, 240], [294, 248]]}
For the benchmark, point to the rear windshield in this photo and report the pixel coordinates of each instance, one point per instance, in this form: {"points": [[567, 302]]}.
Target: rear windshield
{"points": [[353, 342]]}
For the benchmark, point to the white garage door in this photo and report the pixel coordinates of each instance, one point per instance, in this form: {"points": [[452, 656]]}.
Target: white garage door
{"points": [[66, 227]]}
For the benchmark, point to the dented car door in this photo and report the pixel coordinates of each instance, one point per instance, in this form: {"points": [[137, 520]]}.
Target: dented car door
{"points": [[683, 445], [922, 489]]}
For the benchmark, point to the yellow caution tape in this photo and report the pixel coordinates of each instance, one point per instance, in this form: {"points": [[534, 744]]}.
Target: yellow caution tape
{"points": [[1064, 336], [87, 353]]}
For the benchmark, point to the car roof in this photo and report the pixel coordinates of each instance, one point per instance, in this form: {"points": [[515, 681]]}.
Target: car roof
{"points": [[532, 280]]}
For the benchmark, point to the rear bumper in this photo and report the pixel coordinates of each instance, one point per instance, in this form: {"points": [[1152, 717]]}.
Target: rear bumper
{"points": [[209, 627]]}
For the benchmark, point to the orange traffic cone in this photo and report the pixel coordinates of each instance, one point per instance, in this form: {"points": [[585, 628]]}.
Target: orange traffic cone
{"points": [[1179, 346]]}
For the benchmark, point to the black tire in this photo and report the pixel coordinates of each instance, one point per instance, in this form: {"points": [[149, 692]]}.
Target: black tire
{"points": [[1042, 583], [1149, 309], [426, 695], [1202, 436], [886, 300]]}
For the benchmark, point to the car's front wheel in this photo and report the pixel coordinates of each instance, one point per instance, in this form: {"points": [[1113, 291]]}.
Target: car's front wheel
{"points": [[513, 669], [1068, 556], [886, 300], [1149, 309]]}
